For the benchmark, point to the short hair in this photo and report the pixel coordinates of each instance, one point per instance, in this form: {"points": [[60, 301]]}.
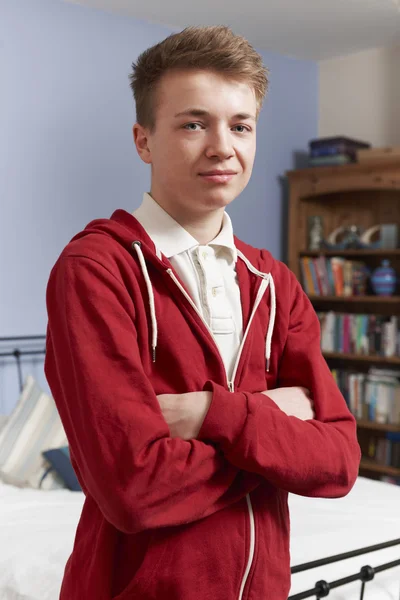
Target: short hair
{"points": [[214, 48]]}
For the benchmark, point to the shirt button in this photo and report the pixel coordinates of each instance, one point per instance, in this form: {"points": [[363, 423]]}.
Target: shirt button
{"points": [[217, 290], [205, 254]]}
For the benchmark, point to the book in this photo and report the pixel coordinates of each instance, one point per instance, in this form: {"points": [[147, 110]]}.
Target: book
{"points": [[330, 278], [310, 277], [360, 334], [338, 278], [347, 278], [338, 141], [326, 161]]}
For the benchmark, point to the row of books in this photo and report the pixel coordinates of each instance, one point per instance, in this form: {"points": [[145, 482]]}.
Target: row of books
{"points": [[373, 396], [334, 150], [361, 334], [385, 450], [335, 276]]}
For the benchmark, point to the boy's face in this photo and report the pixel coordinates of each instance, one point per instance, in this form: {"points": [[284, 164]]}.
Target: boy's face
{"points": [[205, 124]]}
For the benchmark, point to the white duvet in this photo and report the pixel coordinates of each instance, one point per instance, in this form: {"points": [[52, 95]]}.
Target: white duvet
{"points": [[37, 530], [369, 515]]}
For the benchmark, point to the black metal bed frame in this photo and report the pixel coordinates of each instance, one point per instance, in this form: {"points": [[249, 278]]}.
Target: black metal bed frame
{"points": [[17, 352], [322, 588], [366, 573]]}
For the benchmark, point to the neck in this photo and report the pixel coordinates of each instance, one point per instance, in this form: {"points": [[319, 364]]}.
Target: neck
{"points": [[203, 227]]}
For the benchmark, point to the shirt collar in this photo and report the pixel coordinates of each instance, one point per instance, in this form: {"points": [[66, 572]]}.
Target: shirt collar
{"points": [[170, 237]]}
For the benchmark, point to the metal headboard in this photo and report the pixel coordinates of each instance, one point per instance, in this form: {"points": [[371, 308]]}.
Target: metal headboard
{"points": [[19, 348]]}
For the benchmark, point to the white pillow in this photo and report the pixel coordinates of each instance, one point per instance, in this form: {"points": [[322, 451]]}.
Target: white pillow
{"points": [[3, 421], [33, 426]]}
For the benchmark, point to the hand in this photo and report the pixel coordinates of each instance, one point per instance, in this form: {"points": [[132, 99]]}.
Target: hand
{"points": [[294, 401], [185, 413]]}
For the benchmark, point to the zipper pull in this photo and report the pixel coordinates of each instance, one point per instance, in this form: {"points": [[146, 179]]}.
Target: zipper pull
{"points": [[230, 386]]}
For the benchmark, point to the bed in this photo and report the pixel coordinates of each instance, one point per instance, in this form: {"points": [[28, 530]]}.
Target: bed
{"points": [[39, 516], [37, 530]]}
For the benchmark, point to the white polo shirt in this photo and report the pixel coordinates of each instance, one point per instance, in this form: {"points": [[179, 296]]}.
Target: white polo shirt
{"points": [[208, 272]]}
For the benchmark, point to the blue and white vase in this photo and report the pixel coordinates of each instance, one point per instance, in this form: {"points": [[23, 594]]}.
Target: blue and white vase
{"points": [[384, 279]]}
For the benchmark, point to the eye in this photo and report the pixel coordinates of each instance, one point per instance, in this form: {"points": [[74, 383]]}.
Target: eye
{"points": [[192, 126], [244, 128]]}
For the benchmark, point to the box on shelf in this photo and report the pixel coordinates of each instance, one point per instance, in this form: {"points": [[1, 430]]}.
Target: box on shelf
{"points": [[374, 154]]}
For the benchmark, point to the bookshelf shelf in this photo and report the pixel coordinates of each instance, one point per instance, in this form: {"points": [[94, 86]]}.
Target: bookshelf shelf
{"points": [[350, 253], [363, 195], [362, 424], [384, 360], [369, 465], [360, 299]]}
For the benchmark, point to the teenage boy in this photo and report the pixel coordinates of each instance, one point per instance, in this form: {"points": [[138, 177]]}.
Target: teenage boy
{"points": [[186, 364]]}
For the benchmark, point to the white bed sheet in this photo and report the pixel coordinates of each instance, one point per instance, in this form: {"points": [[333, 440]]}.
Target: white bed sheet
{"points": [[37, 530], [321, 527]]}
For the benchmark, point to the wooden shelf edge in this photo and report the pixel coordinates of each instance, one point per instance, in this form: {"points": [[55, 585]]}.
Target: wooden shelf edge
{"points": [[385, 360], [359, 299], [370, 465], [364, 424], [366, 167], [360, 252]]}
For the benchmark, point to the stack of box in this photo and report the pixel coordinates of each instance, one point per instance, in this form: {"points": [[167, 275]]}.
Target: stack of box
{"points": [[334, 151]]}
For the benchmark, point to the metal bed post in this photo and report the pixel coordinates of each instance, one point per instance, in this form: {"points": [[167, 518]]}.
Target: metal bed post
{"points": [[17, 352]]}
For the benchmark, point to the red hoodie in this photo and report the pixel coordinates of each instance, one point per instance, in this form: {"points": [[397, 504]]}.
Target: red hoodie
{"points": [[165, 518]]}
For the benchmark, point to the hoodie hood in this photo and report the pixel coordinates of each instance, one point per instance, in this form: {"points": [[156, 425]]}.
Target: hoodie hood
{"points": [[125, 229]]}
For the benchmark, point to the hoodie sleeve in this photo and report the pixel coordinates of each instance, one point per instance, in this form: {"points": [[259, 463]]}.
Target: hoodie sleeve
{"points": [[318, 457], [120, 444]]}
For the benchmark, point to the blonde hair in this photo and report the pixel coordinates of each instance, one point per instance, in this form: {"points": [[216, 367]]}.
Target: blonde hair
{"points": [[215, 48]]}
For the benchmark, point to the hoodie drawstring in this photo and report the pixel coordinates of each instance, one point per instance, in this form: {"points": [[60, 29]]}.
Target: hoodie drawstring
{"points": [[154, 331], [271, 324]]}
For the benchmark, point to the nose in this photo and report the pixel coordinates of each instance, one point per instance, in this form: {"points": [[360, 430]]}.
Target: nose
{"points": [[219, 144]]}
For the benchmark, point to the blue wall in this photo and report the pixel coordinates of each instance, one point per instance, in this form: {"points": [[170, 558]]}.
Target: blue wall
{"points": [[67, 154]]}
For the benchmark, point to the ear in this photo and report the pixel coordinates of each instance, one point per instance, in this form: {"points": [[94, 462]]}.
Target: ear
{"points": [[140, 137]]}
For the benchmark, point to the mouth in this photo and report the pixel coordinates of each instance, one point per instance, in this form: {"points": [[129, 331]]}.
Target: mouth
{"points": [[218, 176]]}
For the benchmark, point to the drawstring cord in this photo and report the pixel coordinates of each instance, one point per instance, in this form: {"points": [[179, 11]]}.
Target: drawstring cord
{"points": [[271, 324], [136, 245], [154, 331]]}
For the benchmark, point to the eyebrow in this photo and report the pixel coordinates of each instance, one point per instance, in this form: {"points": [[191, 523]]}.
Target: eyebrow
{"points": [[199, 112]]}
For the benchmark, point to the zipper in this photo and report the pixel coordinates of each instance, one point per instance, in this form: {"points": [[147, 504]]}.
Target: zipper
{"points": [[231, 387], [189, 299], [260, 294]]}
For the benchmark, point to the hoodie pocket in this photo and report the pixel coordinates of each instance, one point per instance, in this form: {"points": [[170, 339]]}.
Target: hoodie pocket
{"points": [[203, 559], [149, 567]]}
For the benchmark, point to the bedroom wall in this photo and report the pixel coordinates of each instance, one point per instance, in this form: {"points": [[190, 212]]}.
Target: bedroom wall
{"points": [[359, 96], [67, 155]]}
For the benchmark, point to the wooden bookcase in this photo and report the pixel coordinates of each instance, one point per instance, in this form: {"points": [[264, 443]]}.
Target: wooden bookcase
{"points": [[365, 195]]}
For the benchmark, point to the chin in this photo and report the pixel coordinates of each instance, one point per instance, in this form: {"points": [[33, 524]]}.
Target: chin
{"points": [[219, 198]]}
